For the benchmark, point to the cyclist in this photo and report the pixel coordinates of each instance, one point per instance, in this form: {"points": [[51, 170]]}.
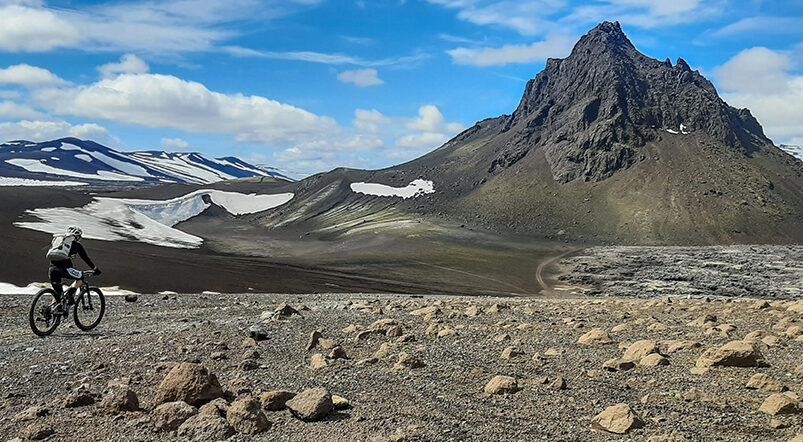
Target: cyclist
{"points": [[64, 269]]}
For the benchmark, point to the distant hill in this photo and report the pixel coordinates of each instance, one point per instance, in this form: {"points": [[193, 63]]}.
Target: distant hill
{"points": [[86, 162], [607, 145]]}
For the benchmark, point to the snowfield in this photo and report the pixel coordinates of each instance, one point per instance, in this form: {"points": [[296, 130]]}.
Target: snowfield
{"points": [[148, 221], [33, 288], [6, 181], [416, 188]]}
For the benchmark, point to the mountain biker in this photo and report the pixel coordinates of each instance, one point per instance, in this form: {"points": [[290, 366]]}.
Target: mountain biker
{"points": [[64, 269]]}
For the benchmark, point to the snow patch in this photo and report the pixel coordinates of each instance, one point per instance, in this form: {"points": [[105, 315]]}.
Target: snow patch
{"points": [[84, 157], [672, 131], [148, 221], [36, 166], [414, 189], [7, 181], [11, 289], [683, 129], [48, 149]]}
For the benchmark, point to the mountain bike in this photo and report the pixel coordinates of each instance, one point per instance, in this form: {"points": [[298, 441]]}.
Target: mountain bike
{"points": [[87, 309]]}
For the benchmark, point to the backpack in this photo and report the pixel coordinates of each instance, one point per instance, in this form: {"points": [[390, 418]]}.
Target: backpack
{"points": [[60, 247]]}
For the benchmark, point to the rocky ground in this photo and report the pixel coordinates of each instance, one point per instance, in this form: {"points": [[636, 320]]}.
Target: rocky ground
{"points": [[769, 272], [409, 368]]}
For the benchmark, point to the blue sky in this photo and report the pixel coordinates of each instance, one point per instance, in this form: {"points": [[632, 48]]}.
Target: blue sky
{"points": [[308, 85]]}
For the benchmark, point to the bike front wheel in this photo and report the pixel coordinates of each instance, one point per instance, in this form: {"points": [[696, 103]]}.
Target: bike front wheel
{"points": [[41, 317], [88, 309]]}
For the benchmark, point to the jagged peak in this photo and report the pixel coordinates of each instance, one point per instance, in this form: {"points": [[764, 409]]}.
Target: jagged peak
{"points": [[606, 35]]}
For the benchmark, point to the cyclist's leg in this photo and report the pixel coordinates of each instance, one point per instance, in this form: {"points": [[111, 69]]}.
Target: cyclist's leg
{"points": [[55, 275], [76, 275]]}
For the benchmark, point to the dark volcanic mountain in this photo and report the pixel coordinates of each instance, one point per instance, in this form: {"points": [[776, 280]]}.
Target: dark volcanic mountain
{"points": [[606, 145]]}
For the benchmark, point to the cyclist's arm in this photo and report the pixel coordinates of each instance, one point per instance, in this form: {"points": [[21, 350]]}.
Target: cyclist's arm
{"points": [[82, 253]]}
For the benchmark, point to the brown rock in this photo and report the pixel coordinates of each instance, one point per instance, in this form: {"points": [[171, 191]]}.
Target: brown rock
{"points": [[617, 419], [781, 403], [472, 311], [317, 362], [704, 321], [218, 407], [395, 331], [249, 343], [311, 405], [205, 428], [191, 383], [732, 354], [675, 346], [38, 431], [653, 360], [313, 339], [169, 416], [327, 344], [695, 395], [432, 310], [276, 400], [763, 382], [558, 384], [407, 362], [338, 352], [120, 399], [285, 310], [511, 352], [502, 385], [797, 307], [245, 416], [640, 349], [618, 364], [31, 413], [596, 336], [81, 397]]}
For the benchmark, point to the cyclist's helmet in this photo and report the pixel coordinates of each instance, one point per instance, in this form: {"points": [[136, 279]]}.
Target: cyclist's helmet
{"points": [[75, 231]]}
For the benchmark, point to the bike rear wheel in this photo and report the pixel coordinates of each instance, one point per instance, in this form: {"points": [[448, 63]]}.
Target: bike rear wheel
{"points": [[89, 308], [41, 317]]}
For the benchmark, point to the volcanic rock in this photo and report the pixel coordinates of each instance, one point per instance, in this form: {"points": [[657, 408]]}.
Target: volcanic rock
{"points": [[732, 354], [169, 416], [245, 416], [311, 405], [502, 385], [617, 419], [188, 382]]}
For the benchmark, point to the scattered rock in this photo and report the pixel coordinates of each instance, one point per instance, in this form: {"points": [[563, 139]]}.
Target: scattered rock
{"points": [[407, 362], [317, 362], [313, 339], [249, 343], [206, 428], [130, 298], [218, 356], [596, 336], [432, 310], [31, 413], [327, 344], [617, 419], [472, 311], [311, 405], [120, 399], [81, 397], [653, 360], [618, 364], [695, 395], [38, 431], [257, 333], [191, 383], [248, 365], [558, 384], [218, 407], [511, 352], [395, 331], [781, 403], [340, 403], [338, 353], [284, 310], [245, 416], [732, 354], [675, 346], [640, 349], [761, 381], [502, 385], [276, 400], [169, 416], [446, 332]]}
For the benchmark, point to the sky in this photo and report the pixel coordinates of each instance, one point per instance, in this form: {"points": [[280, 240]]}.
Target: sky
{"points": [[310, 85]]}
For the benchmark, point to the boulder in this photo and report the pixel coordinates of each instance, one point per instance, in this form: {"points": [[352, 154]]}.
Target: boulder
{"points": [[338, 352], [245, 416], [501, 385], [169, 416], [311, 405], [761, 381], [313, 339], [317, 361], [732, 354], [218, 407], [257, 333], [781, 403], [276, 400], [120, 399], [38, 431], [617, 419], [640, 349], [205, 427], [618, 364], [188, 382], [596, 336], [80, 397], [432, 310], [284, 310]]}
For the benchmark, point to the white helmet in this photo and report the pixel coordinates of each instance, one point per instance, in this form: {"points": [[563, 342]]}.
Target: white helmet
{"points": [[75, 231]]}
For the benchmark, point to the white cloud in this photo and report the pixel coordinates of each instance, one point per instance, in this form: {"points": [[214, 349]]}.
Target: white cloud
{"points": [[10, 95], [360, 77], [426, 140], [134, 26], [538, 51], [30, 76], [430, 119], [749, 26], [318, 57], [174, 144], [369, 120], [759, 79], [49, 130], [9, 109], [129, 64], [524, 16], [163, 101], [647, 13], [31, 29]]}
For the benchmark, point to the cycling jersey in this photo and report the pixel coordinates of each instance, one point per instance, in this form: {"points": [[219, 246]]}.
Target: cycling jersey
{"points": [[75, 248]]}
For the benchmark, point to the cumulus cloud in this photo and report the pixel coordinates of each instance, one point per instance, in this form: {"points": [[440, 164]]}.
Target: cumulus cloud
{"points": [[30, 76], [426, 140], [760, 79], [32, 29], [538, 51], [129, 64], [760, 24], [174, 144], [9, 109], [49, 130], [430, 119], [164, 101], [369, 120], [360, 77]]}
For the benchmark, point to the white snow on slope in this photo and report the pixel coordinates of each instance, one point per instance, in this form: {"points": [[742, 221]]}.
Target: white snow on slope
{"points": [[416, 188], [37, 166], [33, 288], [149, 221], [6, 181], [48, 149], [84, 157]]}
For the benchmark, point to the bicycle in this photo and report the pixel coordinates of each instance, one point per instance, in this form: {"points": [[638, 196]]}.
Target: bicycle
{"points": [[88, 308]]}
